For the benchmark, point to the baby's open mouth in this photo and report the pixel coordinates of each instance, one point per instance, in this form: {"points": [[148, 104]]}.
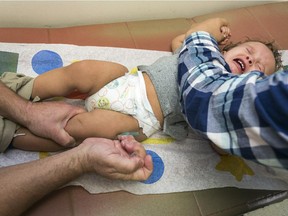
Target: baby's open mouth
{"points": [[240, 63]]}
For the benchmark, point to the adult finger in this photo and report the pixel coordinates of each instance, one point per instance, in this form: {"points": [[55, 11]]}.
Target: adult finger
{"points": [[136, 170]]}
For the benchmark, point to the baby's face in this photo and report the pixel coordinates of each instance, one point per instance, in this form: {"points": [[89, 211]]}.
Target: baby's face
{"points": [[250, 56]]}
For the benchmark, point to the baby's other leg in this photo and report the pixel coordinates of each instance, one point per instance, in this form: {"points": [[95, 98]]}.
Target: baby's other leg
{"points": [[103, 123], [27, 141], [87, 76]]}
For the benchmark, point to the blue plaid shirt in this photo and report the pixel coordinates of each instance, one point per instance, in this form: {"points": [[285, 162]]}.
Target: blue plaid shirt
{"points": [[246, 115]]}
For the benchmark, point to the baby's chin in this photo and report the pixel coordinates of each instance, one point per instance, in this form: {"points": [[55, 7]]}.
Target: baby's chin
{"points": [[236, 72], [233, 69]]}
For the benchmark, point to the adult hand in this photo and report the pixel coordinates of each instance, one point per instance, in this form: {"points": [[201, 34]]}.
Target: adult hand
{"points": [[45, 119], [48, 119], [124, 159]]}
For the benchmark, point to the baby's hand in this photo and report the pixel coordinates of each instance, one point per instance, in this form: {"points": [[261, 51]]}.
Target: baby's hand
{"points": [[226, 33]]}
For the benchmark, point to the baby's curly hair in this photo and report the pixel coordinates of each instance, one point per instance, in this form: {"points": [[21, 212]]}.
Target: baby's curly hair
{"points": [[271, 45]]}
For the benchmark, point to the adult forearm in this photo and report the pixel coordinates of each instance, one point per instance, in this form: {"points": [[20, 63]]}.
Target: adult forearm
{"points": [[27, 183], [13, 106]]}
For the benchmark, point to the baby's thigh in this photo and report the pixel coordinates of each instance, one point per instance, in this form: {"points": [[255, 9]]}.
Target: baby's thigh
{"points": [[101, 123], [103, 72]]}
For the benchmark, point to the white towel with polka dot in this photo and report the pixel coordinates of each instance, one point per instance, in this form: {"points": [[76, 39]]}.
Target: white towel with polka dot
{"points": [[188, 165]]}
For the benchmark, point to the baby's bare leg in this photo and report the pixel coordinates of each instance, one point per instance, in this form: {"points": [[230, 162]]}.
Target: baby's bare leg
{"points": [[31, 142], [97, 123], [103, 123], [86, 76]]}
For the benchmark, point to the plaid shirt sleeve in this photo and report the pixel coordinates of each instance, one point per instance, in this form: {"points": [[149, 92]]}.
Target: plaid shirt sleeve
{"points": [[246, 115]]}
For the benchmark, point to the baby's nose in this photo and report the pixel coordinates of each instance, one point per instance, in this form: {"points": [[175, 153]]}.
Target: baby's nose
{"points": [[249, 60]]}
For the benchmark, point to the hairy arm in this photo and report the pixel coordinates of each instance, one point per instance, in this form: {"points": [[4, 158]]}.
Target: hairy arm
{"points": [[25, 184], [13, 107]]}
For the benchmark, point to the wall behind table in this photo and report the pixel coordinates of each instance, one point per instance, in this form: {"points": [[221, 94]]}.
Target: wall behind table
{"points": [[75, 13]]}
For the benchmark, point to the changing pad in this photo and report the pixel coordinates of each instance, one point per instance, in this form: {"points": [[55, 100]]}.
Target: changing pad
{"points": [[179, 166]]}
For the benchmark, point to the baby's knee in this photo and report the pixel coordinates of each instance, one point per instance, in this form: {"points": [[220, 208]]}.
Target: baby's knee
{"points": [[81, 65]]}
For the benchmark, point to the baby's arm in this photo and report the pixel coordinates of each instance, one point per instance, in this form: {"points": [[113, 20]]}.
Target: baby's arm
{"points": [[217, 27], [177, 42]]}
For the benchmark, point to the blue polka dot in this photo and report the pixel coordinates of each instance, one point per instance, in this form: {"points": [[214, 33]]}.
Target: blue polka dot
{"points": [[158, 168], [46, 60]]}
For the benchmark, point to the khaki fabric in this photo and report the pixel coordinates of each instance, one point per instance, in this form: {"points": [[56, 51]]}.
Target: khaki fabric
{"points": [[22, 85]]}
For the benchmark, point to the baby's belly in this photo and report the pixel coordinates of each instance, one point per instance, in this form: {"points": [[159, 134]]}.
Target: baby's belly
{"points": [[153, 99]]}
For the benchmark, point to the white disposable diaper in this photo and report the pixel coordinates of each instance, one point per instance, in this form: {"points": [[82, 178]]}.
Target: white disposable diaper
{"points": [[127, 95]]}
